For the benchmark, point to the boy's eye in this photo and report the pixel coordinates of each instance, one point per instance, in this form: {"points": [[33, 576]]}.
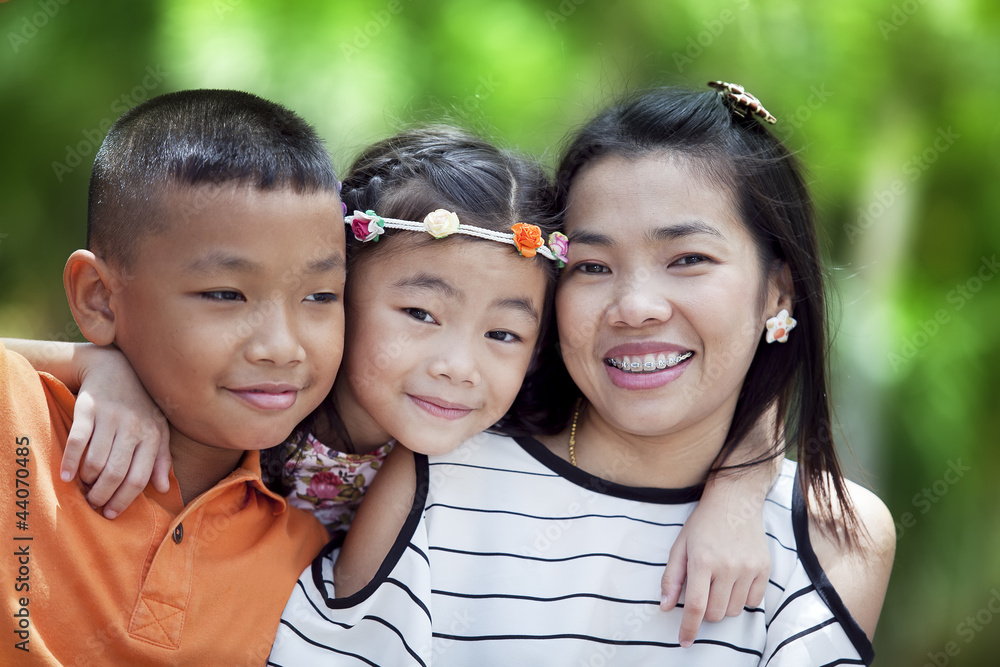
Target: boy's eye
{"points": [[223, 295], [503, 336], [322, 297], [418, 314], [693, 258]]}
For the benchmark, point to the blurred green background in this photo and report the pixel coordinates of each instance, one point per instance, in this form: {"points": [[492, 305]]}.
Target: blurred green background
{"points": [[894, 107]]}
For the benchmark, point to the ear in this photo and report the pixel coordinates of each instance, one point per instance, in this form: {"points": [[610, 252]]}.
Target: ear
{"points": [[781, 290], [89, 284]]}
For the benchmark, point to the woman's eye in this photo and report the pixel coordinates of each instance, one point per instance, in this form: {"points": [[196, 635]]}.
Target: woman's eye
{"points": [[592, 267], [223, 295], [688, 260], [322, 297], [418, 314], [503, 336]]}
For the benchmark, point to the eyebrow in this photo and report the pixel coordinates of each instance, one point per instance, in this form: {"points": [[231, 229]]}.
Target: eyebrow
{"points": [[520, 305], [219, 260], [334, 262], [426, 281], [670, 233]]}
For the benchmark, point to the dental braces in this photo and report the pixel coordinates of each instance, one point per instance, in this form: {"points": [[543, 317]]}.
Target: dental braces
{"points": [[636, 365]]}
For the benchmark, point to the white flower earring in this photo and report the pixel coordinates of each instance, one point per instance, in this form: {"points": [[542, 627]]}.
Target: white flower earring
{"points": [[779, 326]]}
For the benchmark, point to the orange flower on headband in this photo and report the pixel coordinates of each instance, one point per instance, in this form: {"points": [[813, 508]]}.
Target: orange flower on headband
{"points": [[527, 238]]}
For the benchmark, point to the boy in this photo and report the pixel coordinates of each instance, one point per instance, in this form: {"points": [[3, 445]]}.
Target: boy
{"points": [[215, 263]]}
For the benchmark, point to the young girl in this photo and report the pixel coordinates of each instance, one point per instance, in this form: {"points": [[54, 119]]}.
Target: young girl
{"points": [[692, 245], [446, 307]]}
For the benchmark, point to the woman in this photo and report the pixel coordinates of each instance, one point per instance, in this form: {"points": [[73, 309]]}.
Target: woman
{"points": [[692, 250]]}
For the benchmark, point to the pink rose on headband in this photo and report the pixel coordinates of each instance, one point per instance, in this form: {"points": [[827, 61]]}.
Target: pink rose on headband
{"points": [[367, 226], [324, 484], [441, 223], [559, 245]]}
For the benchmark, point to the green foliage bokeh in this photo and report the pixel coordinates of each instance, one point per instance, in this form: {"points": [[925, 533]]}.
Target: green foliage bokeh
{"points": [[893, 107]]}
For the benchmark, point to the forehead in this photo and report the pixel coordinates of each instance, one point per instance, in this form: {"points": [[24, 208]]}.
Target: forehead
{"points": [[622, 193], [478, 272], [280, 226]]}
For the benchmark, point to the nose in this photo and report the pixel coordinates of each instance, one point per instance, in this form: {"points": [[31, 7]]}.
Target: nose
{"points": [[639, 301], [456, 361], [273, 335]]}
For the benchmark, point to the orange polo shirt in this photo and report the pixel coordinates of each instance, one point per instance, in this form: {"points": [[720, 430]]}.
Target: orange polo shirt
{"points": [[163, 584]]}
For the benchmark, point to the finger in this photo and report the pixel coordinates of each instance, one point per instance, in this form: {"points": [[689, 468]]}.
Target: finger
{"points": [[123, 456], [76, 442], [129, 489], [755, 597], [738, 597], [718, 598], [672, 582], [97, 453], [163, 462], [695, 602]]}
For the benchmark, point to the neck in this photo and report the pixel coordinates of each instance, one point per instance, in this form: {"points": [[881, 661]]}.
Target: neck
{"points": [[365, 434], [199, 467], [675, 460]]}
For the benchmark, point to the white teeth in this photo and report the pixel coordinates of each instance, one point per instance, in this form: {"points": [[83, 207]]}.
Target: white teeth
{"points": [[649, 362]]}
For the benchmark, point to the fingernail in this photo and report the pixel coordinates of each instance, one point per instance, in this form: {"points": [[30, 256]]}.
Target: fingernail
{"points": [[686, 643], [65, 476], [110, 514]]}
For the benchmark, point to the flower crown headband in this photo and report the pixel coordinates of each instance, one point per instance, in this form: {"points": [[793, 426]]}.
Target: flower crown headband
{"points": [[526, 238]]}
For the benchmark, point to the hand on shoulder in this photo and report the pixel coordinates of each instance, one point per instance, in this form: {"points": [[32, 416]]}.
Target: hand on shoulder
{"points": [[859, 574]]}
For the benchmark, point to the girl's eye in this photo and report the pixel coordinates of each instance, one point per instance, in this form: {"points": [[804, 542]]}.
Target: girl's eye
{"points": [[418, 314], [322, 297], [223, 295], [503, 336], [592, 267], [688, 260]]}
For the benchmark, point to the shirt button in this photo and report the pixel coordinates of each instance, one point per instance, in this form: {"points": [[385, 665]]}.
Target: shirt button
{"points": [[179, 533]]}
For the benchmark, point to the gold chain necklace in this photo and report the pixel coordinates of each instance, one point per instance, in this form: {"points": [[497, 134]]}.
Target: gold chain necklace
{"points": [[572, 432]]}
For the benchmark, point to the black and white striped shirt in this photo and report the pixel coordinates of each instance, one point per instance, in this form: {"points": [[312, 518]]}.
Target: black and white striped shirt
{"points": [[510, 556]]}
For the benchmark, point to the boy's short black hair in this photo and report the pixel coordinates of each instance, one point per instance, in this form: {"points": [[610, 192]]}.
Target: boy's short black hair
{"points": [[191, 138]]}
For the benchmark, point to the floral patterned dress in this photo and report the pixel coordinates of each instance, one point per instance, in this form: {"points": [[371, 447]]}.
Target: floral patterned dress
{"points": [[331, 484]]}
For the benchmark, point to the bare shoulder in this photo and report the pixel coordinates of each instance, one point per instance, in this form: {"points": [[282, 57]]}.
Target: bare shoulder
{"points": [[860, 575], [380, 517]]}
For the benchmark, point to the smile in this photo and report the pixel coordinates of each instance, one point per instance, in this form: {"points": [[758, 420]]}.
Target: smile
{"points": [[268, 396], [440, 408], [648, 363]]}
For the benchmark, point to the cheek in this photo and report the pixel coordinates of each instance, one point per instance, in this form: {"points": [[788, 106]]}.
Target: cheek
{"points": [[577, 320]]}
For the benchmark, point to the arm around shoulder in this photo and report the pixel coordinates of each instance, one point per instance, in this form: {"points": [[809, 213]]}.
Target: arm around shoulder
{"points": [[380, 517], [860, 574]]}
